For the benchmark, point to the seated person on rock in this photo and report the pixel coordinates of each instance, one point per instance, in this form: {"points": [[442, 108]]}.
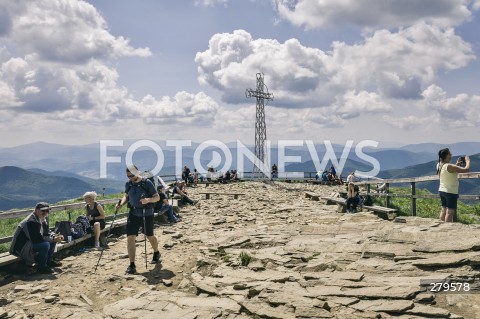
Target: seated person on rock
{"points": [[163, 206], [353, 198], [33, 241], [180, 190], [95, 214]]}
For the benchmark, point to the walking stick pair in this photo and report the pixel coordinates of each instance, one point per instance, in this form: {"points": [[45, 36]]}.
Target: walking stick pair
{"points": [[108, 234]]}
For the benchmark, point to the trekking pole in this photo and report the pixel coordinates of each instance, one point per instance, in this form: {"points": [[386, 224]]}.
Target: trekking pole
{"points": [[145, 233], [108, 234]]}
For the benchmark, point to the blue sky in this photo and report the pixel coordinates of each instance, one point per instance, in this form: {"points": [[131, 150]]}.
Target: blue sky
{"points": [[77, 72]]}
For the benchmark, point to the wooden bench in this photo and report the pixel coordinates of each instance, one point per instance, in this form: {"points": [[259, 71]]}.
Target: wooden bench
{"points": [[208, 194], [312, 196], [7, 258], [380, 211], [383, 212]]}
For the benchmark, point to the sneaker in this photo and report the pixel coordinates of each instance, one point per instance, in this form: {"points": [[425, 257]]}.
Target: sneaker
{"points": [[131, 269], [97, 244], [44, 270], [156, 257], [54, 263]]}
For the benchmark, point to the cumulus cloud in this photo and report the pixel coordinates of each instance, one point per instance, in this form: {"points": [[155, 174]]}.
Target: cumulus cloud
{"points": [[373, 13], [458, 111], [64, 31], [411, 122], [55, 64], [350, 79]]}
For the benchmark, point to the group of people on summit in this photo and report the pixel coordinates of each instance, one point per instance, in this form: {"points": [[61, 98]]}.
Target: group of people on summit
{"points": [[35, 243]]}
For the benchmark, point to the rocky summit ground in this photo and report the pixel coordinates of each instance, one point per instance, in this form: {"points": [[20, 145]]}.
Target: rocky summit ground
{"points": [[306, 260]]}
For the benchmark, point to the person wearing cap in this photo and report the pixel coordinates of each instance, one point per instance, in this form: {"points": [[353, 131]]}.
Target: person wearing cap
{"points": [[33, 242], [141, 196]]}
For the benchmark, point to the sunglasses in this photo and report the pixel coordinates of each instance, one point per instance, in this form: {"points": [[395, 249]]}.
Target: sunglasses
{"points": [[130, 175], [45, 211]]}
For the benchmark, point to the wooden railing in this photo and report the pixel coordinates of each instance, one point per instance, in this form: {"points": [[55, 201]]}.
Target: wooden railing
{"points": [[57, 208], [413, 183], [26, 212]]}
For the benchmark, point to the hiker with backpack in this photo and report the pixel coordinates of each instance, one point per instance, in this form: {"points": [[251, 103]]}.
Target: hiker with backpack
{"points": [[95, 214], [141, 195]]}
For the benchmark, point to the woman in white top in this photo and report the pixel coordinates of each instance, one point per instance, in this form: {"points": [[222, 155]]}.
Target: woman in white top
{"points": [[448, 189]]}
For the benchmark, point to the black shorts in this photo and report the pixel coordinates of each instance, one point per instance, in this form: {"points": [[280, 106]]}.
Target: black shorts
{"points": [[135, 222], [449, 200], [101, 221]]}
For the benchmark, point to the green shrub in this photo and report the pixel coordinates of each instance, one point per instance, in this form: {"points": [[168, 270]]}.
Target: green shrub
{"points": [[245, 258]]}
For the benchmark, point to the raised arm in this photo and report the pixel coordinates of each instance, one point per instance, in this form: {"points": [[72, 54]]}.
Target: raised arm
{"points": [[459, 169]]}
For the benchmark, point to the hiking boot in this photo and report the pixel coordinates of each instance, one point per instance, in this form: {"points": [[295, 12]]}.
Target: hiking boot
{"points": [[44, 270], [54, 263], [131, 269], [156, 258]]}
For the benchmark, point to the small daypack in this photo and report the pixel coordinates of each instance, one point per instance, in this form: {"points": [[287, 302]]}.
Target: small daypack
{"points": [[81, 227], [63, 228]]}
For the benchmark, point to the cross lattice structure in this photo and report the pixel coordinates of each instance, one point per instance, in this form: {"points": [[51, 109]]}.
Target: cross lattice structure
{"points": [[263, 96]]}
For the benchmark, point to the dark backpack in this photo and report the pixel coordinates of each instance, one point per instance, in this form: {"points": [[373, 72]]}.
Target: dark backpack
{"points": [[367, 200], [63, 228], [148, 175], [143, 185], [81, 227]]}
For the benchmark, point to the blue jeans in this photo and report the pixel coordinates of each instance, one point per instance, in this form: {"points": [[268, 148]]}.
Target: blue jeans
{"points": [[45, 253], [169, 210]]}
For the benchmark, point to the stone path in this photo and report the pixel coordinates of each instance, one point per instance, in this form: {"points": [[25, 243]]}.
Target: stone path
{"points": [[270, 254]]}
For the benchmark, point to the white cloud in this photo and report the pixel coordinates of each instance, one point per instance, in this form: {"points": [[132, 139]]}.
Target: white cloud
{"points": [[476, 5], [64, 31], [55, 64], [350, 79], [411, 122], [458, 111], [373, 13]]}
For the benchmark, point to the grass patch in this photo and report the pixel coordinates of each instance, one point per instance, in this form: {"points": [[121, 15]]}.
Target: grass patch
{"points": [[428, 207]]}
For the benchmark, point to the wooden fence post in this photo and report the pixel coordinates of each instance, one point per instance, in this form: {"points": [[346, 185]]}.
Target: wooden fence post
{"points": [[387, 189], [414, 200]]}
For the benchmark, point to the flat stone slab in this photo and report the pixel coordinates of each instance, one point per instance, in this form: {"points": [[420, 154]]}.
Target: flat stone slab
{"points": [[447, 260], [381, 292], [265, 311], [389, 306], [468, 244]]}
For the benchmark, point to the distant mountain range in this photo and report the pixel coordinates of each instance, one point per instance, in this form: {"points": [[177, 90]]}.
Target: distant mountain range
{"points": [[22, 188], [84, 160], [52, 172], [467, 186]]}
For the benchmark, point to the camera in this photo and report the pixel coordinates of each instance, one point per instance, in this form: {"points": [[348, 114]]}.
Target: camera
{"points": [[462, 160]]}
